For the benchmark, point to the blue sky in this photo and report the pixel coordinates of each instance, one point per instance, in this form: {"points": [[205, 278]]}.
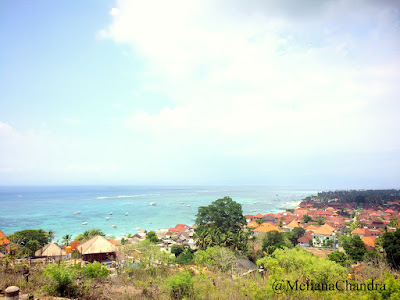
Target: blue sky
{"points": [[200, 92]]}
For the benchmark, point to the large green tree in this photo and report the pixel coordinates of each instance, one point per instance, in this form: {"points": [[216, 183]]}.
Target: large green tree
{"points": [[354, 247], [23, 237], [391, 245], [221, 224]]}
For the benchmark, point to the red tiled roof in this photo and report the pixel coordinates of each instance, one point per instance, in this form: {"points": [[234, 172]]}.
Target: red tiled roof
{"points": [[258, 216], [305, 238], [3, 239]]}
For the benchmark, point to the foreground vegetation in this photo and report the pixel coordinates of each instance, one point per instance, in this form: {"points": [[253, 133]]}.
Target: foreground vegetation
{"points": [[216, 270]]}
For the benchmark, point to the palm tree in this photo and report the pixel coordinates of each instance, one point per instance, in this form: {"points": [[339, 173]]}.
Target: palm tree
{"points": [[66, 239], [50, 235]]}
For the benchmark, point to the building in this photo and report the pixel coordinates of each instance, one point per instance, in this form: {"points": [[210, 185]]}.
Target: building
{"points": [[97, 248], [3, 242], [51, 251], [324, 236]]}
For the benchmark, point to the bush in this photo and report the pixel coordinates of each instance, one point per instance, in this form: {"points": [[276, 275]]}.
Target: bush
{"points": [[181, 285], [185, 257], [62, 277], [216, 258], [95, 270], [177, 250], [152, 237]]}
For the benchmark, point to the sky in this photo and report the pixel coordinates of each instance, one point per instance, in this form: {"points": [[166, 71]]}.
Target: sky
{"points": [[277, 93]]}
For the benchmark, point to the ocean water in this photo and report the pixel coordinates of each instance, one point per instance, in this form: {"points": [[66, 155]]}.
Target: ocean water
{"points": [[52, 208]]}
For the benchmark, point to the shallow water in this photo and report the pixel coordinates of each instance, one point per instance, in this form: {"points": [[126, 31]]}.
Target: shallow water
{"points": [[52, 208]]}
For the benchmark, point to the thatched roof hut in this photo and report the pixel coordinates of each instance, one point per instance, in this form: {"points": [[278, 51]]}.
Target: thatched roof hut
{"points": [[97, 249], [51, 250]]}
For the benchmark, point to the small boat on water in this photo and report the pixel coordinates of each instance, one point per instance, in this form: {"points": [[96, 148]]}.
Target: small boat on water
{"points": [[153, 203], [149, 222], [111, 212], [126, 214], [182, 202], [77, 213], [108, 218], [188, 205], [114, 226], [84, 223]]}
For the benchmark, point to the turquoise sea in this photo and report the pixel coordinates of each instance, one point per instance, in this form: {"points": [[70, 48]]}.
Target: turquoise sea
{"points": [[53, 208]]}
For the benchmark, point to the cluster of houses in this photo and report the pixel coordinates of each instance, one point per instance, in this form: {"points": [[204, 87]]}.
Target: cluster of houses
{"points": [[329, 220], [102, 249], [181, 234], [335, 219]]}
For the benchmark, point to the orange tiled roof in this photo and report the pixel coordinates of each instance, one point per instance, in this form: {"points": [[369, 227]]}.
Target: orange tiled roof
{"points": [[266, 227], [325, 230], [293, 224], [358, 231], [253, 224], [369, 240], [3, 239], [311, 227]]}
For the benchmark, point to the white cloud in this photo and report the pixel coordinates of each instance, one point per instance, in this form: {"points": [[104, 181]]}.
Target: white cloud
{"points": [[6, 129], [114, 11]]}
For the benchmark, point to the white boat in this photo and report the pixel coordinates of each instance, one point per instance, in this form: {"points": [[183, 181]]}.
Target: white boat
{"points": [[153, 203], [188, 205], [182, 202], [77, 213], [114, 226], [149, 222], [108, 218], [110, 212], [84, 223], [126, 214]]}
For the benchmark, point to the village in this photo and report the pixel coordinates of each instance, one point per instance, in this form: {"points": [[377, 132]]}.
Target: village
{"points": [[323, 222]]}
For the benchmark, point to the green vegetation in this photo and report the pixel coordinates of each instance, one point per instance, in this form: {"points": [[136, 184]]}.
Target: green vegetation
{"points": [[362, 196], [306, 218], [221, 224], [216, 258], [295, 234], [354, 247], [391, 245], [62, 280], [88, 234], [94, 270], [338, 257], [152, 237], [214, 271], [274, 240], [177, 250], [181, 285]]}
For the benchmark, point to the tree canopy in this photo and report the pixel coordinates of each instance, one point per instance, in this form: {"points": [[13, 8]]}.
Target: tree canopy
{"points": [[391, 245], [224, 213], [25, 236], [221, 224]]}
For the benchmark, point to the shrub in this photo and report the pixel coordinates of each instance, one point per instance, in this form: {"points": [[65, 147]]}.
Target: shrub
{"points": [[181, 285], [152, 237], [216, 258], [62, 277], [177, 250], [95, 270], [185, 257]]}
